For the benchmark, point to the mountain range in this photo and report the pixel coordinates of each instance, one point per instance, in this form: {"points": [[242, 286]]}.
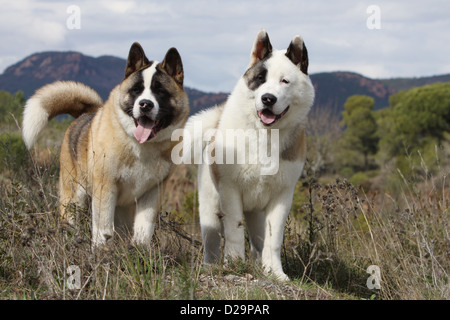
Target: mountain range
{"points": [[105, 72]]}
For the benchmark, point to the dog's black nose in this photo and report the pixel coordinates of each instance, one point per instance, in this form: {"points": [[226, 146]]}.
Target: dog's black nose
{"points": [[268, 99], [146, 105]]}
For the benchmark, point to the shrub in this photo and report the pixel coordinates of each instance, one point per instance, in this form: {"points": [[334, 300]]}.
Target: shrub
{"points": [[13, 153]]}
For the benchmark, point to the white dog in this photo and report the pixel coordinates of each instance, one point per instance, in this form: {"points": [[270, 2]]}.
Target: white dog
{"points": [[266, 111]]}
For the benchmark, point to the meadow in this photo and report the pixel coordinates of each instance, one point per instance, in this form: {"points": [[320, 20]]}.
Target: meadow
{"points": [[338, 229]]}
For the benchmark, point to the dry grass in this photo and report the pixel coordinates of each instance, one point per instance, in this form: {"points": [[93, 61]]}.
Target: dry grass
{"points": [[347, 231], [334, 233], [37, 250]]}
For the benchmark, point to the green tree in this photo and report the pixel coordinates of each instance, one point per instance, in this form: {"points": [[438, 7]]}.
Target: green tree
{"points": [[389, 136], [11, 107], [361, 128], [414, 127], [422, 112], [13, 152]]}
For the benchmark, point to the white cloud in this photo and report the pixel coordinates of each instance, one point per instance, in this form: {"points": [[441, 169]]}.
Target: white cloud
{"points": [[48, 33], [215, 37], [118, 6]]}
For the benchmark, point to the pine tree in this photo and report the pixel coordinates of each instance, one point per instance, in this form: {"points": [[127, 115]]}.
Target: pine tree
{"points": [[422, 112], [361, 127]]}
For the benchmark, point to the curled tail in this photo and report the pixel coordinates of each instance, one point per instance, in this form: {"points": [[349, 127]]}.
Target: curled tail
{"points": [[61, 97]]}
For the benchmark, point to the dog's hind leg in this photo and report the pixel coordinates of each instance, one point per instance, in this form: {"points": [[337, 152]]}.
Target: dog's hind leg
{"points": [[210, 216], [66, 198], [72, 202], [72, 195], [104, 200], [233, 221]]}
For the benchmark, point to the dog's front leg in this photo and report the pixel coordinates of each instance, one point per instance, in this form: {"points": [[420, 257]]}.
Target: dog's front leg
{"points": [[147, 207], [233, 223], [276, 215], [103, 207]]}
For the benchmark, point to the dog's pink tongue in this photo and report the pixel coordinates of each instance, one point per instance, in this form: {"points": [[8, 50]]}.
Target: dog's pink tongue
{"points": [[143, 129], [267, 117]]}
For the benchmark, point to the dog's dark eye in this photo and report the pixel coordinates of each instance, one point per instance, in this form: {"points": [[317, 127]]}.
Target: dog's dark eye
{"points": [[158, 87], [261, 77], [285, 81], [136, 89]]}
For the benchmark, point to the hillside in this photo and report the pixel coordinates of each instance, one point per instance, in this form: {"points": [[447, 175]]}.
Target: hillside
{"points": [[333, 89], [398, 84], [103, 73]]}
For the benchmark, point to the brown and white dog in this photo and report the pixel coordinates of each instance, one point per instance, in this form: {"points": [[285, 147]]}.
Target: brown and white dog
{"points": [[116, 154], [271, 100]]}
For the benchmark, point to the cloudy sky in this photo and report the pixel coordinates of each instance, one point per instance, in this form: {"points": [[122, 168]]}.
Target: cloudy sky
{"points": [[377, 38]]}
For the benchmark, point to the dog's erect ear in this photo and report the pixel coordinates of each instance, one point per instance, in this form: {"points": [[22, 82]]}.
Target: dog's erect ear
{"points": [[136, 59], [298, 54], [173, 65], [261, 47]]}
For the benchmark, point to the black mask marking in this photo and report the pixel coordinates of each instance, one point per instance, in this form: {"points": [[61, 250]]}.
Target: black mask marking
{"points": [[256, 75]]}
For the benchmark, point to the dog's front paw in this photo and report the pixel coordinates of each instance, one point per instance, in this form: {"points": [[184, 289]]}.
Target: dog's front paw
{"points": [[100, 240], [281, 276], [277, 274]]}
